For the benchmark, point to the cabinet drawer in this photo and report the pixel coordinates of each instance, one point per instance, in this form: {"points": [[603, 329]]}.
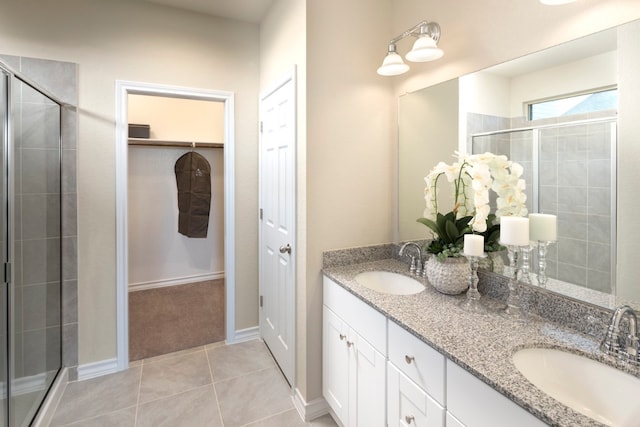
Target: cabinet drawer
{"points": [[408, 404], [421, 363], [475, 404], [369, 323]]}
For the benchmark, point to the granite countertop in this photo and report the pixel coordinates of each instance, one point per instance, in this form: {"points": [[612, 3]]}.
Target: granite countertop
{"points": [[483, 344]]}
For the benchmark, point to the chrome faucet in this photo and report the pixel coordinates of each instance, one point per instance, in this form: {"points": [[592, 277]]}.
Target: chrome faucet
{"points": [[626, 348], [417, 264]]}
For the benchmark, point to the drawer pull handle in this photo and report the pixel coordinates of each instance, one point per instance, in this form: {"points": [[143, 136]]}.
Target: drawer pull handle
{"points": [[349, 343], [409, 359], [342, 337], [409, 419]]}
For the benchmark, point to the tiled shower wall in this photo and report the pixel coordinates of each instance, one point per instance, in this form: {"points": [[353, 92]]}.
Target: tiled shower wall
{"points": [[574, 180], [60, 79]]}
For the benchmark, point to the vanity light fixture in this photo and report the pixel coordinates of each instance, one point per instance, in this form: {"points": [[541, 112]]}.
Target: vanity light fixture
{"points": [[425, 48], [556, 2]]}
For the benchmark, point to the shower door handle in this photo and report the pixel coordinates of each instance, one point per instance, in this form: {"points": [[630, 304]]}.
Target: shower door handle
{"points": [[285, 249]]}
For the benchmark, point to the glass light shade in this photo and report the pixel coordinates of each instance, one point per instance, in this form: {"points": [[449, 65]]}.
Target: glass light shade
{"points": [[392, 65], [424, 49]]}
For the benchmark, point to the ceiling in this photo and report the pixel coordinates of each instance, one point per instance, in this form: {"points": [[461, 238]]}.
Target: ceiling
{"points": [[243, 10]]}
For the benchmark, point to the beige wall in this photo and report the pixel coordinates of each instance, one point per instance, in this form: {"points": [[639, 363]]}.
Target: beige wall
{"points": [[136, 41], [283, 45]]}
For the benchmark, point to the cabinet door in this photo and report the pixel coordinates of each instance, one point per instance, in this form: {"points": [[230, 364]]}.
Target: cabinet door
{"points": [[408, 405], [335, 364], [367, 372]]}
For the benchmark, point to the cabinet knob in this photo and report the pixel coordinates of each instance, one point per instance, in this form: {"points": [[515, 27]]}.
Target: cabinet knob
{"points": [[409, 359], [409, 419], [342, 337], [349, 343]]}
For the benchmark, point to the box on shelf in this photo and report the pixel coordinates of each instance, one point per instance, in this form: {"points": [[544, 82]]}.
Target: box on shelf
{"points": [[139, 131]]}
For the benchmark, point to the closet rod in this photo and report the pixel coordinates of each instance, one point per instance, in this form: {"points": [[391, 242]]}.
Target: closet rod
{"points": [[163, 143]]}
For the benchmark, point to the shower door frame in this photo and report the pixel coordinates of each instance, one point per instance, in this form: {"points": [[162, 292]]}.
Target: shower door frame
{"points": [[8, 223], [123, 89]]}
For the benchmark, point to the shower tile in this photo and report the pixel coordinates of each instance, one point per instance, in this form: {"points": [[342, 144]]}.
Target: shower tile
{"points": [[122, 418], [572, 199], [548, 173], [11, 61], [599, 257], [599, 201], [599, 281], [573, 173], [600, 173], [572, 225], [40, 216], [571, 251], [53, 359], [572, 274], [98, 396], [599, 228], [40, 171], [548, 199], [35, 352], [70, 345], [69, 301], [40, 125], [69, 165], [238, 359], [192, 408], [174, 375], [69, 129], [34, 261], [69, 214], [70, 258], [599, 145], [253, 396], [34, 306], [57, 77]]}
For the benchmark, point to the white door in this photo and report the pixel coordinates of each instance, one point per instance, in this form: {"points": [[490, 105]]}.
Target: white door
{"points": [[277, 220]]}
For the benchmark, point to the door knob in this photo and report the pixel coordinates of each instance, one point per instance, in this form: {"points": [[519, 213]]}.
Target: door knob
{"points": [[285, 249]]}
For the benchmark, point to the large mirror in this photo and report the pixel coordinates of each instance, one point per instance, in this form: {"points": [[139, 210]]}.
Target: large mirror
{"points": [[566, 114]]}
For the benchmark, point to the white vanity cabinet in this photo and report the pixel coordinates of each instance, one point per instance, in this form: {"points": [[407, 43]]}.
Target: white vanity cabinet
{"points": [[415, 381], [472, 403], [353, 358]]}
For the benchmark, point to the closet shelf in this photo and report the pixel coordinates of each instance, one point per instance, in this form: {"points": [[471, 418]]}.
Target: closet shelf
{"points": [[165, 143]]}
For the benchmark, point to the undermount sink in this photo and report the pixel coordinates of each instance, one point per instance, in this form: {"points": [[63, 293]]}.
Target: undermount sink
{"points": [[389, 283], [592, 388]]}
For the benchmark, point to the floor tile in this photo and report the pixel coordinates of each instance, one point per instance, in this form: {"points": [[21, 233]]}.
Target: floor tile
{"points": [[193, 408], [123, 418], [174, 375], [253, 397], [170, 355], [238, 359], [98, 396], [290, 418], [323, 421]]}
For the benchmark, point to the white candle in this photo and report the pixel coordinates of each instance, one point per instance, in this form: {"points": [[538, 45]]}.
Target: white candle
{"points": [[543, 227], [514, 230], [473, 245]]}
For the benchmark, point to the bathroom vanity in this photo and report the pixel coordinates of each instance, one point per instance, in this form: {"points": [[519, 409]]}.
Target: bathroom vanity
{"points": [[420, 360]]}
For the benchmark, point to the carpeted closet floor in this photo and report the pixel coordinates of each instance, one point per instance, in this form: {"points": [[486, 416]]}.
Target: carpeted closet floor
{"points": [[164, 320]]}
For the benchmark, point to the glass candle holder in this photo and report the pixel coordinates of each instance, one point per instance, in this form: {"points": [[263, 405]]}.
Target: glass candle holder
{"points": [[472, 301], [543, 247], [514, 310], [525, 276]]}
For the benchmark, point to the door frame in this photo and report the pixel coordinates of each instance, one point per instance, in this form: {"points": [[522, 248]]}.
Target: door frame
{"points": [[123, 89], [290, 76]]}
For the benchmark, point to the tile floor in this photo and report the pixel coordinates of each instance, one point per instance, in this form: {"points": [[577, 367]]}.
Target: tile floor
{"points": [[215, 385]]}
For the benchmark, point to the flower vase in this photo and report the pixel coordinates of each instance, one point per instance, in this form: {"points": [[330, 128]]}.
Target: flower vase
{"points": [[449, 276], [494, 261]]}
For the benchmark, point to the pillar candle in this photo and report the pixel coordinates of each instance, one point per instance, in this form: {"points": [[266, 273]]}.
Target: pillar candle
{"points": [[543, 227], [473, 245], [514, 230]]}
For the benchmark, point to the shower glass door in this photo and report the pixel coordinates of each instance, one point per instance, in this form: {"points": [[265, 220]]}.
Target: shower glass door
{"points": [[34, 236]]}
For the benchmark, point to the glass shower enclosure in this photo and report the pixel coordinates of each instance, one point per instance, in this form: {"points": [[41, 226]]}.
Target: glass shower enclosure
{"points": [[30, 184]]}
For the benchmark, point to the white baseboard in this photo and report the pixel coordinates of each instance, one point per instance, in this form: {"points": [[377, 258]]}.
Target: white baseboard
{"points": [[243, 335], [97, 369], [310, 410], [142, 286]]}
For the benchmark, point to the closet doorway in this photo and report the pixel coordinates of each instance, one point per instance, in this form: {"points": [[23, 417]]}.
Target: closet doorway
{"points": [[175, 279]]}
